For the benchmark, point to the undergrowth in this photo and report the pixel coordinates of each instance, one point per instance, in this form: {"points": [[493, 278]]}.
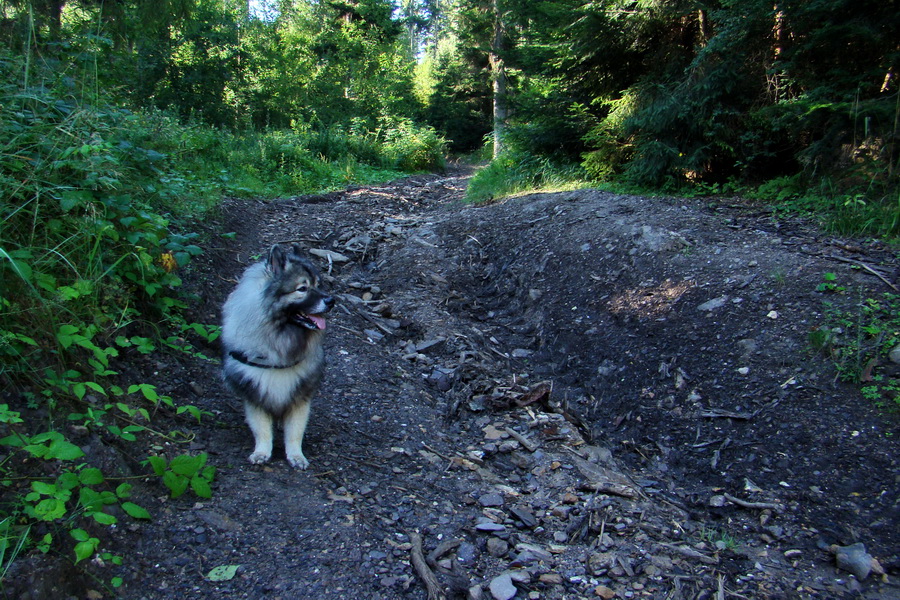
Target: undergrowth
{"points": [[859, 205], [863, 342], [515, 172], [96, 206]]}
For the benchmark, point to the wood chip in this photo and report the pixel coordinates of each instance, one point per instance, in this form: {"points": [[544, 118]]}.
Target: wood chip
{"points": [[329, 255]]}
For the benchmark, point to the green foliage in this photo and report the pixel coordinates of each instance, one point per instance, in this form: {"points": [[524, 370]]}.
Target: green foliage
{"points": [[411, 148], [185, 471], [859, 342], [458, 102], [223, 573], [515, 171]]}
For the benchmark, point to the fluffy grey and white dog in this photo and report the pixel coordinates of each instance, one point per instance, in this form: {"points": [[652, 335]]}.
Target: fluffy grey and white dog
{"points": [[272, 332]]}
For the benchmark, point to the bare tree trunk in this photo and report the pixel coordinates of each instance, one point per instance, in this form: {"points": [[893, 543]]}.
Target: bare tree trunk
{"points": [[705, 29], [498, 75]]}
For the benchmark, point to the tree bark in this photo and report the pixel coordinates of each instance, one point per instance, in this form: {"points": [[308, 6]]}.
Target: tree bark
{"points": [[498, 76]]}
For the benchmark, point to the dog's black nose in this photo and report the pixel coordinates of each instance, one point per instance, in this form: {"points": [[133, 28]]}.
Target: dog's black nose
{"points": [[329, 302]]}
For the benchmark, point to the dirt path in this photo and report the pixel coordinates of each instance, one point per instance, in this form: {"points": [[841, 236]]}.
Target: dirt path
{"points": [[573, 395]]}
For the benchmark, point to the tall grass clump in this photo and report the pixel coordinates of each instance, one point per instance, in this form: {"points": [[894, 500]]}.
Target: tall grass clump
{"points": [[85, 231], [517, 171]]}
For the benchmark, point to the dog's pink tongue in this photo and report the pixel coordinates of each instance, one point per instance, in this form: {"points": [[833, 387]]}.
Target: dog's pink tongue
{"points": [[319, 321]]}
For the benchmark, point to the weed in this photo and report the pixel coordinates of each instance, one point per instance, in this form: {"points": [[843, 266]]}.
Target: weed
{"points": [[184, 471], [829, 285], [720, 539], [861, 341]]}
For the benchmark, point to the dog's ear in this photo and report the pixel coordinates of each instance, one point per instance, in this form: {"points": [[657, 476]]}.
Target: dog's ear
{"points": [[297, 250], [276, 260]]}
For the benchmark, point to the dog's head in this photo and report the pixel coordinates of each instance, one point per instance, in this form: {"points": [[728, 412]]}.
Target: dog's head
{"points": [[293, 286]]}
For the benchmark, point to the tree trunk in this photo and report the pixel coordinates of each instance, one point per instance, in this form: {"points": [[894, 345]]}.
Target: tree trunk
{"points": [[498, 75]]}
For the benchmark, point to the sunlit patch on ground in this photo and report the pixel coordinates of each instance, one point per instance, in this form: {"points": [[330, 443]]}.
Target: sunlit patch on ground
{"points": [[652, 301]]}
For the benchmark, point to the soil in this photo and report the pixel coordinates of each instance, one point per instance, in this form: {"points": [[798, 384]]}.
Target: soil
{"points": [[568, 395]]}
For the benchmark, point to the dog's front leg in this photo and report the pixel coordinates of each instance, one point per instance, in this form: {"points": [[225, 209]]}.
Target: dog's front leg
{"points": [[294, 427], [260, 422]]}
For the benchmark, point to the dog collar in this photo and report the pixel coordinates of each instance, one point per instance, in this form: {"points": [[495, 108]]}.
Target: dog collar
{"points": [[242, 357]]}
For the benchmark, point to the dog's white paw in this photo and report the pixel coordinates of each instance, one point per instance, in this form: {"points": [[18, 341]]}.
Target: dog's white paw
{"points": [[297, 460], [258, 458]]}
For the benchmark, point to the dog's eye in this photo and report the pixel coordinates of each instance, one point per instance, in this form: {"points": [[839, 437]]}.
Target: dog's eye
{"points": [[303, 289]]}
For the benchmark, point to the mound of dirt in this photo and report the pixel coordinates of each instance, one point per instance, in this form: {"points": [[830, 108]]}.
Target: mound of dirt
{"points": [[569, 395]]}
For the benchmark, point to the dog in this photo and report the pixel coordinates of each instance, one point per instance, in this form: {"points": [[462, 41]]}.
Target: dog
{"points": [[273, 328]]}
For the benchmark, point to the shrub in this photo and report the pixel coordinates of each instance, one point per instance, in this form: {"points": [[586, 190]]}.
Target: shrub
{"points": [[515, 171]]}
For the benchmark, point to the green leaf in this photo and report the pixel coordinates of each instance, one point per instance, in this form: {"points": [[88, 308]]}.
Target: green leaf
{"points": [[124, 490], [69, 199], [177, 484], [91, 476], [201, 487], [84, 550], [103, 518], [42, 487], [80, 535], [63, 450], [50, 509], [68, 481], [90, 499], [135, 511], [186, 464], [22, 269], [223, 573], [12, 440], [158, 463]]}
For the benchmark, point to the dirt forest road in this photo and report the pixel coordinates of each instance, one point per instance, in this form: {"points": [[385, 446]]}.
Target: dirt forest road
{"points": [[569, 395]]}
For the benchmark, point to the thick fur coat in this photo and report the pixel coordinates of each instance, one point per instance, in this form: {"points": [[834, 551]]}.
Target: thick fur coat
{"points": [[273, 328]]}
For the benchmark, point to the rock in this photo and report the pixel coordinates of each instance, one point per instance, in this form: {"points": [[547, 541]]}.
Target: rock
{"points": [[748, 346], [492, 433], [772, 314], [854, 559], [489, 526], [491, 499], [429, 344], [711, 305], [524, 515], [744, 370], [502, 587], [894, 355], [604, 592], [534, 551], [497, 547], [656, 239], [466, 554]]}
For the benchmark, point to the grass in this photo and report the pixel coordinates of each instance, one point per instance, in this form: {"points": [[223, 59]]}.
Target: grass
{"points": [[860, 340], [518, 172]]}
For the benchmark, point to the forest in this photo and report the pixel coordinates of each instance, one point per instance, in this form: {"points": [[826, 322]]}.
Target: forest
{"points": [[125, 122]]}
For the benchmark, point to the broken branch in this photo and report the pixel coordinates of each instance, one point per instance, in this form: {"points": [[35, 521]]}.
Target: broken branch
{"points": [[418, 560], [761, 505]]}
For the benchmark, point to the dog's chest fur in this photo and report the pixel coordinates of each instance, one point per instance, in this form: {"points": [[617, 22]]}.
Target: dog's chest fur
{"points": [[277, 389]]}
